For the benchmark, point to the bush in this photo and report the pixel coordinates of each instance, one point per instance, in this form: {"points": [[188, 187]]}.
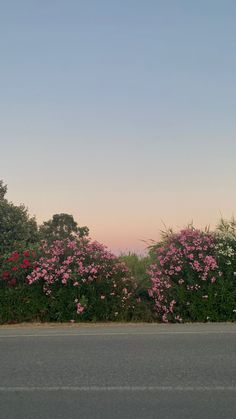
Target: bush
{"points": [[138, 266], [16, 265], [186, 278], [83, 280], [22, 303], [226, 257]]}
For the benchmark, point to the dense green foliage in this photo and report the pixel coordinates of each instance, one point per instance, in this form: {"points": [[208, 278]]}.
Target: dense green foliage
{"points": [[16, 226], [69, 280], [194, 275], [138, 267], [57, 273], [60, 227]]}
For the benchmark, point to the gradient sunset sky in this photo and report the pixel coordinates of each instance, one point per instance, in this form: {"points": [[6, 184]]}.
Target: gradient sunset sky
{"points": [[120, 112]]}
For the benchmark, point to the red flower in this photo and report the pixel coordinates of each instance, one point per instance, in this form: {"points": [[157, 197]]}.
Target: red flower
{"points": [[13, 257], [14, 268], [26, 253], [26, 263], [5, 274], [12, 282]]}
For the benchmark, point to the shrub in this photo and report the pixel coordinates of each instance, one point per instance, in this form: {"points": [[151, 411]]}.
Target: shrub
{"points": [[22, 303], [138, 266], [186, 278], [83, 280], [226, 248], [16, 265], [226, 258]]}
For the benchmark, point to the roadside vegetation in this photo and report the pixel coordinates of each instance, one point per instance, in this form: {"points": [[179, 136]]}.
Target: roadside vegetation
{"points": [[56, 272]]}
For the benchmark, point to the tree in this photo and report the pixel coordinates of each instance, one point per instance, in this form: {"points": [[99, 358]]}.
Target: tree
{"points": [[61, 226], [16, 226], [3, 190]]}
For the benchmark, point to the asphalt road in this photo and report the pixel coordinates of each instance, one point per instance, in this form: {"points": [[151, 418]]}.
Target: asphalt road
{"points": [[117, 371]]}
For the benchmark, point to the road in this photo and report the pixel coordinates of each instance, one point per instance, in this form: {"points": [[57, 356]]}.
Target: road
{"points": [[118, 371]]}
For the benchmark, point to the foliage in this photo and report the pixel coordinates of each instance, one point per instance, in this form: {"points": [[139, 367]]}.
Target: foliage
{"points": [[3, 190], [15, 266], [226, 247], [60, 227], [16, 226], [97, 284], [138, 266], [186, 278], [226, 256], [22, 303]]}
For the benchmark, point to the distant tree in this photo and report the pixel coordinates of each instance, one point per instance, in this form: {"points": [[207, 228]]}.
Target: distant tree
{"points": [[3, 190], [16, 226], [60, 227]]}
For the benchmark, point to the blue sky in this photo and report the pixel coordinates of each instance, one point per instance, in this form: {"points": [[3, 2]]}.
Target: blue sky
{"points": [[121, 113]]}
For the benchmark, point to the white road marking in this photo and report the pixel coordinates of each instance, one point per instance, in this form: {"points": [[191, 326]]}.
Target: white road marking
{"points": [[82, 389], [218, 332]]}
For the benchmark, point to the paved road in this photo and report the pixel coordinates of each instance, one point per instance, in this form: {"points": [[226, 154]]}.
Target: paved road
{"points": [[118, 372]]}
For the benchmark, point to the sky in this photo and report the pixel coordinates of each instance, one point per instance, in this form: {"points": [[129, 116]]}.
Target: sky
{"points": [[121, 113]]}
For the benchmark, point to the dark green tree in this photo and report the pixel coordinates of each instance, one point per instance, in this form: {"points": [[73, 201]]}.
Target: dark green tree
{"points": [[3, 190], [61, 226], [16, 226]]}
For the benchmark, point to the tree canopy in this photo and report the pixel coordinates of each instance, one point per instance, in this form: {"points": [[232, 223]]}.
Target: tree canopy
{"points": [[3, 190], [60, 227], [16, 226]]}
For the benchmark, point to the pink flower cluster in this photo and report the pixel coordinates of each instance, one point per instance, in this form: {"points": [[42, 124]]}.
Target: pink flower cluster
{"points": [[185, 259], [78, 263]]}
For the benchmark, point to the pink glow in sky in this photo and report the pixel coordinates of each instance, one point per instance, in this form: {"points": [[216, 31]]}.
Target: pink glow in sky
{"points": [[122, 116]]}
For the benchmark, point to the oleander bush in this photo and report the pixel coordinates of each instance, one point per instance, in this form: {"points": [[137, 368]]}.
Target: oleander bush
{"points": [[193, 276], [99, 287], [74, 279], [57, 273]]}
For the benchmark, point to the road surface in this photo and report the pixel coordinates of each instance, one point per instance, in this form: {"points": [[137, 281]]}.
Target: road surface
{"points": [[118, 371]]}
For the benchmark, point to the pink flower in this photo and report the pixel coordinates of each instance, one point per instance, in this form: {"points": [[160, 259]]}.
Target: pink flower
{"points": [[190, 250], [79, 308]]}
